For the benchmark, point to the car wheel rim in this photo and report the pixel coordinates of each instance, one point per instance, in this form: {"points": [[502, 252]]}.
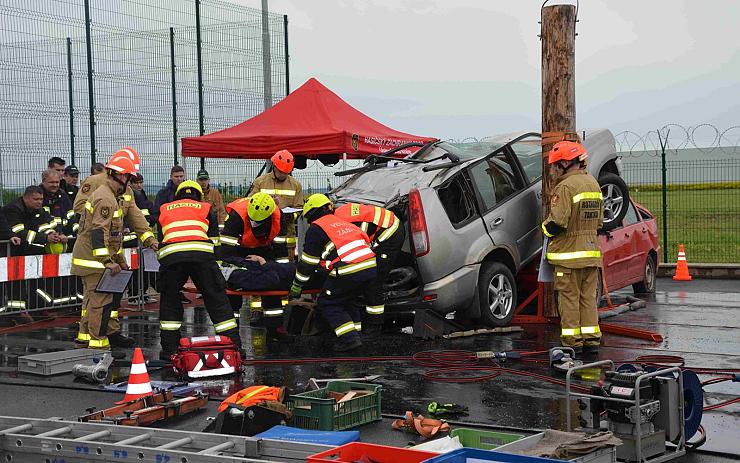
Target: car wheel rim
{"points": [[613, 201], [500, 296], [649, 275]]}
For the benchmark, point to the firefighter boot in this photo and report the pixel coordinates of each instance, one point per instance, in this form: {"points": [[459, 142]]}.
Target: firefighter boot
{"points": [[347, 342], [119, 340], [371, 331]]}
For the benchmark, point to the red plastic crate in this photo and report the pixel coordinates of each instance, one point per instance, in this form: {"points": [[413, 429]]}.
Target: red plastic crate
{"points": [[354, 451]]}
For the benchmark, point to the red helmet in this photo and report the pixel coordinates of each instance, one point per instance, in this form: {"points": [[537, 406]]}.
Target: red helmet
{"points": [[283, 161], [130, 153], [565, 151], [122, 164]]}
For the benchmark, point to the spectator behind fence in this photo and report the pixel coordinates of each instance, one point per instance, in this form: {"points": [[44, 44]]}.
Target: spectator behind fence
{"points": [[70, 179], [30, 223], [167, 194], [145, 204], [57, 164], [57, 203], [97, 168], [212, 196]]}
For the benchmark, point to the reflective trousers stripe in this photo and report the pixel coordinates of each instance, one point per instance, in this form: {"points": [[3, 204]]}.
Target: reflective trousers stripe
{"points": [[84, 337], [375, 309], [358, 326], [590, 329], [572, 255], [167, 325], [99, 342], [273, 312], [570, 332], [225, 325], [344, 328]]}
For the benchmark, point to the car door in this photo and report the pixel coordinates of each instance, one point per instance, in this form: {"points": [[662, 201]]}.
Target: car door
{"points": [[510, 216], [639, 244], [618, 250]]}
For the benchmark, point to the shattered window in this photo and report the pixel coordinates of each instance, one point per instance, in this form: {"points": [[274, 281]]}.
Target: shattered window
{"points": [[457, 201]]}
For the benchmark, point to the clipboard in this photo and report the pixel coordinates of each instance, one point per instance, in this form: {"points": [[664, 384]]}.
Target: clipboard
{"points": [[114, 284]]}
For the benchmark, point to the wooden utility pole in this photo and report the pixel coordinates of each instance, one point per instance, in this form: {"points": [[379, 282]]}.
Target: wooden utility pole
{"points": [[558, 35]]}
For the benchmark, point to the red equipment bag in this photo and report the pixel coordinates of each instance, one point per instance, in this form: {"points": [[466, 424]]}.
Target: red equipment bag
{"points": [[205, 356]]}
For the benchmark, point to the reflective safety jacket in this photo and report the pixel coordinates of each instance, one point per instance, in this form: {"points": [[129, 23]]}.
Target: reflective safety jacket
{"points": [[88, 187], [576, 212], [336, 246], [253, 395], [101, 233], [32, 226], [237, 235], [379, 223], [288, 193], [188, 231]]}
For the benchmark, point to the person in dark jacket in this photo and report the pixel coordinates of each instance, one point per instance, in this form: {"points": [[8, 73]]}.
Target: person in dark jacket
{"points": [[58, 204], [130, 241], [70, 179], [255, 273], [167, 194]]}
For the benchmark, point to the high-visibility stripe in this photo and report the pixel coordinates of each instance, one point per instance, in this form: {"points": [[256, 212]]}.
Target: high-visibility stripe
{"points": [[273, 312], [375, 309], [120, 251], [291, 240], [301, 277], [309, 259], [572, 255], [129, 237], [18, 228], [255, 304], [387, 219], [229, 240], [83, 313], [89, 206], [246, 396], [70, 214], [271, 191], [225, 325], [104, 343], [145, 212], [87, 263], [544, 230], [48, 225], [364, 226], [570, 332], [282, 260], [587, 195], [388, 232], [118, 213], [186, 246], [146, 235], [358, 326], [166, 325], [327, 250], [127, 197], [360, 253], [344, 328], [30, 236], [353, 268], [280, 239], [84, 337], [185, 223], [98, 252], [352, 245], [215, 240], [284, 301], [16, 304], [114, 314], [177, 234], [590, 329], [44, 295], [75, 227]]}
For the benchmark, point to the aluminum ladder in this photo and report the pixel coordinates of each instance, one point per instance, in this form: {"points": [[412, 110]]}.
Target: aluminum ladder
{"points": [[57, 441]]}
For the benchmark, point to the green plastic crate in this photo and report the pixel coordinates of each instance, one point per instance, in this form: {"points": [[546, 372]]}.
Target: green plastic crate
{"points": [[313, 410], [484, 440]]}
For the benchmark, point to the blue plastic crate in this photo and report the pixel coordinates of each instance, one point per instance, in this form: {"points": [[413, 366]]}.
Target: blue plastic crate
{"points": [[468, 455], [287, 433]]}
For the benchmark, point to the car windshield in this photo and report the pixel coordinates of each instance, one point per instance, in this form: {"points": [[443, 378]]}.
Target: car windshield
{"points": [[468, 151]]}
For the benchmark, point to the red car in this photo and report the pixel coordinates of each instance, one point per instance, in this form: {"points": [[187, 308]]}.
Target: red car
{"points": [[630, 252]]}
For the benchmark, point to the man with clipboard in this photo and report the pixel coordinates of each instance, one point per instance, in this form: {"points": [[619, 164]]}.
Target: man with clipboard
{"points": [[99, 248]]}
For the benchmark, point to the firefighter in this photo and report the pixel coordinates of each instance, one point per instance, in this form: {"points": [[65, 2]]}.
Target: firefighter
{"points": [[91, 183], [576, 213], [188, 228], [386, 239], [99, 247], [342, 250], [284, 188], [255, 226]]}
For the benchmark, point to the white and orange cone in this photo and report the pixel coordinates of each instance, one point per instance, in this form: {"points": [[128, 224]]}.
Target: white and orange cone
{"points": [[138, 380], [682, 267]]}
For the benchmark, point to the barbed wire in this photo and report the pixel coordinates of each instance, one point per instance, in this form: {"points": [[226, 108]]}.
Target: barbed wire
{"points": [[707, 138]]}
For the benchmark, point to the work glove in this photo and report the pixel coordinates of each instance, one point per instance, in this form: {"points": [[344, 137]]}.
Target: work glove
{"points": [[439, 409], [295, 292]]}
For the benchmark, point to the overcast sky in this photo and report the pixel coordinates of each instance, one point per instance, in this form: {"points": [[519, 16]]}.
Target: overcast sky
{"points": [[457, 68]]}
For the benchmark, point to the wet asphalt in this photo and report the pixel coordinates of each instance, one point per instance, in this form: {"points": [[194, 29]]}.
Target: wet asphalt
{"points": [[698, 320]]}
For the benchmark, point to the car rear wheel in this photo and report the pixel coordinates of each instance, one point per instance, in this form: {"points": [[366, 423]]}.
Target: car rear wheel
{"points": [[647, 285], [616, 199], [497, 294]]}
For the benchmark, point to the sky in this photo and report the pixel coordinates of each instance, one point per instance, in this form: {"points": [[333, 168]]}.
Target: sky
{"points": [[471, 68]]}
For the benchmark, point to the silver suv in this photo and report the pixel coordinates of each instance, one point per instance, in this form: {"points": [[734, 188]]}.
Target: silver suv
{"points": [[472, 213]]}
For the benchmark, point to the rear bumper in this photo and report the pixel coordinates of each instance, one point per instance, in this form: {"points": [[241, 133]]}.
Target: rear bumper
{"points": [[453, 292]]}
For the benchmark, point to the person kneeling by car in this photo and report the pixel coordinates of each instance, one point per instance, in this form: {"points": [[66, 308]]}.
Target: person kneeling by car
{"points": [[343, 250], [386, 240]]}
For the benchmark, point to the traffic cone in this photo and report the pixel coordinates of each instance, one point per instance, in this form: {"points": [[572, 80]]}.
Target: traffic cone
{"points": [[682, 267], [138, 379]]}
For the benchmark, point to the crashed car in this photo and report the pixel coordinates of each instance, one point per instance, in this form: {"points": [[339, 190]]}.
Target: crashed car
{"points": [[473, 214]]}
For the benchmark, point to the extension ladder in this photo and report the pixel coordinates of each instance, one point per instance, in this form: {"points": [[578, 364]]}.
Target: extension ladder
{"points": [[56, 441]]}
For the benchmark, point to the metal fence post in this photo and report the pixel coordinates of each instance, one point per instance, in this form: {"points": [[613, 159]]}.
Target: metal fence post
{"points": [[71, 102], [266, 57], [198, 46], [663, 144], [174, 95], [287, 63], [90, 88]]}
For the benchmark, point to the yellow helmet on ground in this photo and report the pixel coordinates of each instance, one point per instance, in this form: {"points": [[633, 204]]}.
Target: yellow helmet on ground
{"points": [[55, 248], [315, 201], [189, 184], [261, 206]]}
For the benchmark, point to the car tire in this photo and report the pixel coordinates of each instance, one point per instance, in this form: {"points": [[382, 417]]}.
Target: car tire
{"points": [[616, 199], [399, 278], [649, 273], [497, 294]]}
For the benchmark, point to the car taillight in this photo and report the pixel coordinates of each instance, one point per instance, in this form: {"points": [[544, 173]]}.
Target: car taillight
{"points": [[418, 224]]}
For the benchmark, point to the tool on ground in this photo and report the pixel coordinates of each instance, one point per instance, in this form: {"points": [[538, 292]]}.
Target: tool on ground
{"points": [[446, 408], [138, 379], [147, 410], [98, 371], [314, 383], [206, 356], [30, 439], [644, 408], [563, 358], [487, 354], [425, 427], [682, 266]]}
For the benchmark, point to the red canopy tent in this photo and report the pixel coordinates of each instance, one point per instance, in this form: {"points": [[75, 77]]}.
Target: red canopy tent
{"points": [[311, 121]]}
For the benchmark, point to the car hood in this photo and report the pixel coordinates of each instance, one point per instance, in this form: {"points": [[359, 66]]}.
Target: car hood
{"points": [[384, 184]]}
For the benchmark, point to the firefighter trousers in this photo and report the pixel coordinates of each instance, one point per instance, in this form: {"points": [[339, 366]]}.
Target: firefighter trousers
{"points": [[338, 302], [99, 316], [579, 316], [385, 255], [211, 284]]}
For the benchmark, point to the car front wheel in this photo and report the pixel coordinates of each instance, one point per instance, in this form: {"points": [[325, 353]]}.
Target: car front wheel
{"points": [[647, 285], [497, 294], [616, 199]]}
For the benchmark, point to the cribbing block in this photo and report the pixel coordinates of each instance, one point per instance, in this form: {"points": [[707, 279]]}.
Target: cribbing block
{"points": [[430, 325]]}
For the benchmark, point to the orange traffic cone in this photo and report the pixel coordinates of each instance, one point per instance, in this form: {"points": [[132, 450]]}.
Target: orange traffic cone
{"points": [[682, 267], [138, 380]]}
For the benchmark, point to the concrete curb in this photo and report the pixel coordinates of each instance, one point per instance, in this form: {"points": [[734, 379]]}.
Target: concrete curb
{"points": [[709, 271]]}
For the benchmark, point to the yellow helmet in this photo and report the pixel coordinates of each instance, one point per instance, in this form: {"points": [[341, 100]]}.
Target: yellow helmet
{"points": [[189, 184], [315, 201], [261, 206], [55, 248]]}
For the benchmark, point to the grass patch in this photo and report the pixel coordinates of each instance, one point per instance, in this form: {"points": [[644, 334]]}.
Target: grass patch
{"points": [[705, 221]]}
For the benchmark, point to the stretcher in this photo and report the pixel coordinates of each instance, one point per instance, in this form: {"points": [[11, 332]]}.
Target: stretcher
{"points": [[190, 288]]}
